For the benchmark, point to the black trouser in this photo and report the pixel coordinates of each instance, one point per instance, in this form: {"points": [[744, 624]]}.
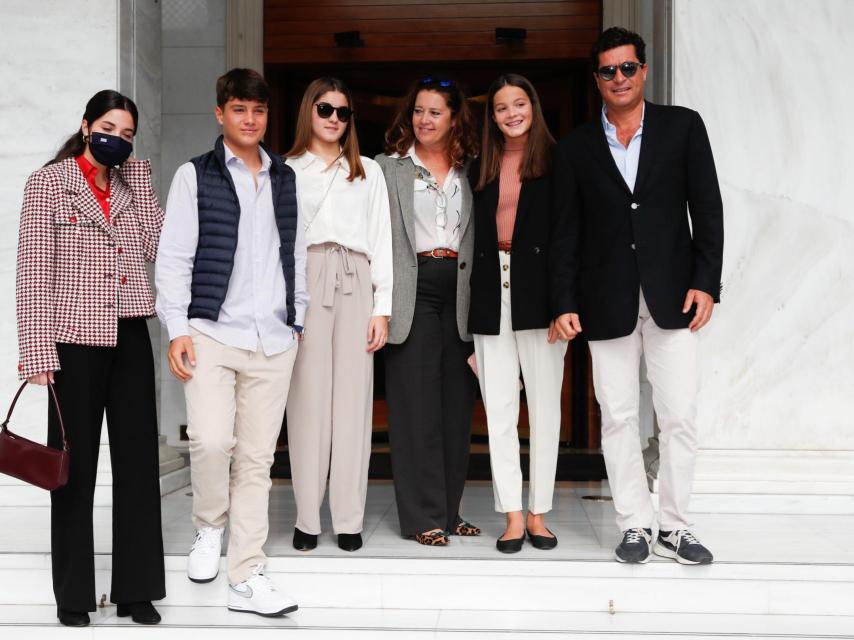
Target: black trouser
{"points": [[430, 391], [119, 379]]}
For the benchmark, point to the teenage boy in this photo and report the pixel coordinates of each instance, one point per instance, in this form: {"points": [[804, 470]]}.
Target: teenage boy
{"points": [[231, 291]]}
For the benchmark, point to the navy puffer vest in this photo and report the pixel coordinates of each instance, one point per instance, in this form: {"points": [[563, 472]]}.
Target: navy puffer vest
{"points": [[219, 214]]}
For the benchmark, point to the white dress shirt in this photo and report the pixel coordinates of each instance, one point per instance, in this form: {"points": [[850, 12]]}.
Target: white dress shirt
{"points": [[626, 157], [255, 306], [432, 203], [352, 214]]}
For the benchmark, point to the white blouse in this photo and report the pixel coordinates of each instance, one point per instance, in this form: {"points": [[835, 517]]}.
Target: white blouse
{"points": [[352, 214], [438, 210]]}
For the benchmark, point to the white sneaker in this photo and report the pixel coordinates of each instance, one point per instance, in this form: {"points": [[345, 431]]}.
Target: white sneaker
{"points": [[203, 561], [258, 594]]}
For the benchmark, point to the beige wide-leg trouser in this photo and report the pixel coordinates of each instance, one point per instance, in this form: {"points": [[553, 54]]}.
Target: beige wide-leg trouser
{"points": [[330, 405], [671, 363], [235, 406]]}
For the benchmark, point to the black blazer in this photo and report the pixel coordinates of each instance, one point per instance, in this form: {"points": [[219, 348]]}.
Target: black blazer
{"points": [[622, 241], [539, 272]]}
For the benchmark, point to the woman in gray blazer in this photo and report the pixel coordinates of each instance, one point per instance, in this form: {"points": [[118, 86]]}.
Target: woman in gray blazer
{"points": [[430, 388]]}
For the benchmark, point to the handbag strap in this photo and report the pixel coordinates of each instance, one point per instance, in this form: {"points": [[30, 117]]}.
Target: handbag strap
{"points": [[55, 404]]}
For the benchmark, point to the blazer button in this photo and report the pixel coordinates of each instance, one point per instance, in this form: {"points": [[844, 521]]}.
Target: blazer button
{"points": [[506, 285], [72, 218], [124, 279], [119, 250], [536, 249], [462, 266], [635, 205], [633, 245]]}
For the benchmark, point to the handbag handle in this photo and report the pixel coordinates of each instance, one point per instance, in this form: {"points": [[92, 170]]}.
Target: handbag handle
{"points": [[5, 424]]}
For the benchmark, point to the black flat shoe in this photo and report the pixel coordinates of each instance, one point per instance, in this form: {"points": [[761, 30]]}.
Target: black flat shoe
{"points": [[542, 542], [513, 545], [72, 618], [304, 541], [139, 612], [350, 541]]}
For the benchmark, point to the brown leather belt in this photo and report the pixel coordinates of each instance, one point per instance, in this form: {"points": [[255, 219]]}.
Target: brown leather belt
{"points": [[439, 253], [504, 246]]}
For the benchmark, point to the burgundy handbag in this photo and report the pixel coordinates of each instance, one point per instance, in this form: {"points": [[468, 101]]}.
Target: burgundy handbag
{"points": [[30, 461]]}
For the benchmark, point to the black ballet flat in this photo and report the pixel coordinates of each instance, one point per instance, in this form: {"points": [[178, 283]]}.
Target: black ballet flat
{"points": [[349, 541], [139, 612], [72, 618], [542, 542], [513, 545], [304, 541]]}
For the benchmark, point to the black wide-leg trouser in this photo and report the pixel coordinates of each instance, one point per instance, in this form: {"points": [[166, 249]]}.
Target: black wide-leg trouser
{"points": [[430, 391], [119, 380]]}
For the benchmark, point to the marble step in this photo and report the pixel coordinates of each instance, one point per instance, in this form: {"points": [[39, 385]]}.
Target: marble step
{"points": [[496, 585], [38, 621]]}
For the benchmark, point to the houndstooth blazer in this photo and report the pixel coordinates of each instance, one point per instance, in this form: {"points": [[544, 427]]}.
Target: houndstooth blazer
{"points": [[78, 272]]}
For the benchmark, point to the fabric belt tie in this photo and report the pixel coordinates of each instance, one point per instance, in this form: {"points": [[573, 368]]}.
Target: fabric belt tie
{"points": [[339, 277]]}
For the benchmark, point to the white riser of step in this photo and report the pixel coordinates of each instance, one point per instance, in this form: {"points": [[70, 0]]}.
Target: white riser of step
{"points": [[182, 622], [374, 583]]}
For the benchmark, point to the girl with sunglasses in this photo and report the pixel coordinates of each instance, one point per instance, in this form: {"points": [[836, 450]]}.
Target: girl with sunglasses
{"points": [[343, 206], [429, 387], [89, 223], [519, 308]]}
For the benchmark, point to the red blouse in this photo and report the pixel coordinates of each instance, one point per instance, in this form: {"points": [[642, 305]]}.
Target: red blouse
{"points": [[89, 172]]}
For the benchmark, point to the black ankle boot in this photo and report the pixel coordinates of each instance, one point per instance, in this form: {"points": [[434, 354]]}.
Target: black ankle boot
{"points": [[304, 541], [349, 541], [72, 618], [139, 612]]}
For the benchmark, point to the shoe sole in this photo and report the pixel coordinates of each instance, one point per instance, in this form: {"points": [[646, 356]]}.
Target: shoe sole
{"points": [[624, 561], [277, 614], [203, 580], [664, 552]]}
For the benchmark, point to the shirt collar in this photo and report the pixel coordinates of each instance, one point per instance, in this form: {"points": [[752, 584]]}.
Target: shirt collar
{"points": [[611, 130], [308, 159], [230, 158], [86, 168]]}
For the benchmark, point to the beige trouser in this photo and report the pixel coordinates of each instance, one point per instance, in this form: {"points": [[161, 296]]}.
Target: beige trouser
{"points": [[499, 359], [671, 362], [330, 404], [235, 406]]}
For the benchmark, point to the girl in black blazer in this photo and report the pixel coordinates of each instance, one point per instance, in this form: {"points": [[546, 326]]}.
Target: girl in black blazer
{"points": [[518, 314]]}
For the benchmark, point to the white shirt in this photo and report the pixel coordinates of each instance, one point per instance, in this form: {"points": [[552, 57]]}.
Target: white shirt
{"points": [[431, 204], [626, 157], [352, 214], [255, 306]]}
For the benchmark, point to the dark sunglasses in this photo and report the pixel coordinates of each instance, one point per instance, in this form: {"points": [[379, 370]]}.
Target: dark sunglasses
{"points": [[325, 110], [432, 80], [628, 69]]}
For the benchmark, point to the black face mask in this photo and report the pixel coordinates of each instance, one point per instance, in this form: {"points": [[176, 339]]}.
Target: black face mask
{"points": [[109, 150]]}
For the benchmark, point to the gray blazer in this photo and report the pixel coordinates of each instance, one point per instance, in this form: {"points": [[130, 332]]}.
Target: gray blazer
{"points": [[400, 180]]}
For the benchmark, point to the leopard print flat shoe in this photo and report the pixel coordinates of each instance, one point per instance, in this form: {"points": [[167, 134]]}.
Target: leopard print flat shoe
{"points": [[464, 528], [436, 538]]}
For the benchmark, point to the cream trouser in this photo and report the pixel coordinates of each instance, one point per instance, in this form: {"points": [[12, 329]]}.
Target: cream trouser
{"points": [[499, 359], [330, 405], [235, 407], [671, 362]]}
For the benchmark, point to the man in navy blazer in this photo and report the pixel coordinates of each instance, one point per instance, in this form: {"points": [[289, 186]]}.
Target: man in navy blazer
{"points": [[641, 193]]}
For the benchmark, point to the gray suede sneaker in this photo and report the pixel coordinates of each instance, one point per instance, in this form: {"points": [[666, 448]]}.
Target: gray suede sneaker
{"points": [[682, 546]]}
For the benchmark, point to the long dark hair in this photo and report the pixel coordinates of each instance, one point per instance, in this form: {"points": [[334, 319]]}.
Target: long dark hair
{"points": [[537, 156], [462, 141], [98, 105], [349, 141]]}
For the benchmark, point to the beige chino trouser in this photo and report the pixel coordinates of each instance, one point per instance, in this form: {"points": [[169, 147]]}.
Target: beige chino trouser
{"points": [[672, 369], [499, 360], [235, 407], [330, 405]]}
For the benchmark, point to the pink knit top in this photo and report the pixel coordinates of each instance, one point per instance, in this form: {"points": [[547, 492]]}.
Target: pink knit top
{"points": [[509, 186]]}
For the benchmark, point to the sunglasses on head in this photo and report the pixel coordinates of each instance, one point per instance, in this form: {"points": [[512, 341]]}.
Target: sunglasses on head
{"points": [[628, 69], [432, 80], [325, 110]]}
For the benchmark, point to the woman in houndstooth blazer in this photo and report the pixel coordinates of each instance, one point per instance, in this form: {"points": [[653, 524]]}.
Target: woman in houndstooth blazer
{"points": [[89, 222]]}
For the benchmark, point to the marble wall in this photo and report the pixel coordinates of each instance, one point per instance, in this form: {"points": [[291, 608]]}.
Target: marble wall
{"points": [[769, 78], [45, 92]]}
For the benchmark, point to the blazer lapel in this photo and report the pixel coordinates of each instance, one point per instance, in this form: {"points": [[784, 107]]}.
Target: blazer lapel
{"points": [[602, 154], [522, 207], [121, 195], [405, 175], [649, 149], [83, 199], [465, 214]]}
